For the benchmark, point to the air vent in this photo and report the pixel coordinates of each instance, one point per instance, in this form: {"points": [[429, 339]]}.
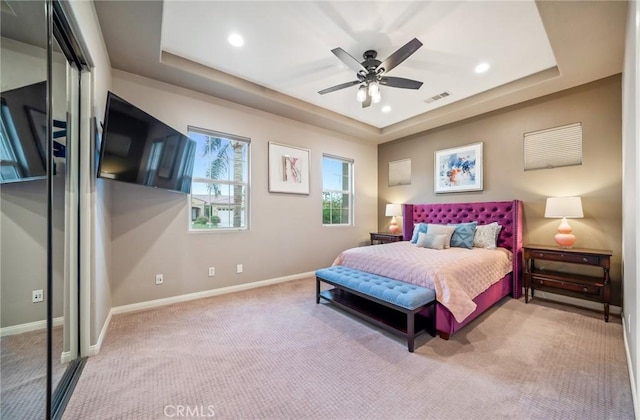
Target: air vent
{"points": [[438, 96]]}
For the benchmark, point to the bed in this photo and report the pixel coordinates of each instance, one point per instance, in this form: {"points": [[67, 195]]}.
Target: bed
{"points": [[457, 305]]}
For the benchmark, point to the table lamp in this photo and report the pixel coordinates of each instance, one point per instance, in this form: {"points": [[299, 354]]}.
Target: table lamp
{"points": [[564, 207], [393, 210]]}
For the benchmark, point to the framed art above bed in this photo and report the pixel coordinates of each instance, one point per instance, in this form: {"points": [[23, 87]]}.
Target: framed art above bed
{"points": [[458, 169]]}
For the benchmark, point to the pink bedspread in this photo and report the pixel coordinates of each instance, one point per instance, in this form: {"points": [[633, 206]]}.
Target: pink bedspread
{"points": [[456, 274]]}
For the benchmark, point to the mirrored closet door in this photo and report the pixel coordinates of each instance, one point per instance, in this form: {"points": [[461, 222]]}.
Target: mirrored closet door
{"points": [[39, 217]]}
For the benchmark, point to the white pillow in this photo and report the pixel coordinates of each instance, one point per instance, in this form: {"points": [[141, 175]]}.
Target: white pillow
{"points": [[433, 229], [487, 236], [426, 240]]}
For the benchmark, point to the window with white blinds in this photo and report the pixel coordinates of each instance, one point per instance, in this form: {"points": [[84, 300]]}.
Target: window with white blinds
{"points": [[553, 147]]}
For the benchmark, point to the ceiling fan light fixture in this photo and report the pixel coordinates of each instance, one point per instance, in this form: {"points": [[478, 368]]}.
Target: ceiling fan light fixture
{"points": [[374, 89], [376, 97], [362, 93]]}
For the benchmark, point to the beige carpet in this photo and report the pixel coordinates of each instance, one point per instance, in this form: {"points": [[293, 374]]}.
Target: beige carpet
{"points": [[23, 373], [273, 353]]}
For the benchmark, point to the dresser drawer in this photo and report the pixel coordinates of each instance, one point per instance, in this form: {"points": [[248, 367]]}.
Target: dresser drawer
{"points": [[566, 285], [567, 257]]}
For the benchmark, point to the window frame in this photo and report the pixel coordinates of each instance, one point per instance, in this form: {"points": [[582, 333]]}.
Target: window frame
{"points": [[246, 185], [350, 192]]}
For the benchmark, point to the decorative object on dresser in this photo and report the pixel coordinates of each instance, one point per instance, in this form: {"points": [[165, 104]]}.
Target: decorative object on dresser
{"points": [[385, 238], [393, 210], [564, 207], [458, 169], [589, 287]]}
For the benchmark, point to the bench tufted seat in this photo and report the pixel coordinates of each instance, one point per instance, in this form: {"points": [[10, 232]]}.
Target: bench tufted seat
{"points": [[408, 296], [395, 295]]}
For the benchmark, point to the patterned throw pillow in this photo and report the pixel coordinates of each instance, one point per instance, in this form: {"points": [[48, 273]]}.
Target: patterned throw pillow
{"points": [[463, 235], [417, 228], [426, 240], [433, 229], [487, 236]]}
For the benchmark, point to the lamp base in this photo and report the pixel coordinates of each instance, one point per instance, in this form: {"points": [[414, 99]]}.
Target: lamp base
{"points": [[564, 238], [393, 226]]}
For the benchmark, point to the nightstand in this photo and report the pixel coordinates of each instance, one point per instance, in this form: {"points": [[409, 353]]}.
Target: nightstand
{"points": [[594, 288], [385, 238]]}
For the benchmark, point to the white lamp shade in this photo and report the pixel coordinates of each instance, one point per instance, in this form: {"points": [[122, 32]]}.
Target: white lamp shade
{"points": [[393, 210], [559, 207]]}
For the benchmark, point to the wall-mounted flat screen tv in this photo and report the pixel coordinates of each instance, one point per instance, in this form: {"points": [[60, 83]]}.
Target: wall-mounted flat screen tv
{"points": [[139, 149], [23, 133]]}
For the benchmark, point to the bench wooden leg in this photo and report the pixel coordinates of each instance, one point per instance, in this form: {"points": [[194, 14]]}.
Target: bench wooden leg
{"points": [[411, 334]]}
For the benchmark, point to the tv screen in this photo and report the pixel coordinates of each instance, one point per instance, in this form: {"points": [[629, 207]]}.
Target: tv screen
{"points": [[139, 149], [23, 133]]}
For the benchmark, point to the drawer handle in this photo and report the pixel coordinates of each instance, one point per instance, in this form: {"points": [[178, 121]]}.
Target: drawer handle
{"points": [[541, 282], [584, 289], [584, 259]]}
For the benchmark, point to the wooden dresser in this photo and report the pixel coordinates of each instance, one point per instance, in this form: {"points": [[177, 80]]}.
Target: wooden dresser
{"points": [[589, 287]]}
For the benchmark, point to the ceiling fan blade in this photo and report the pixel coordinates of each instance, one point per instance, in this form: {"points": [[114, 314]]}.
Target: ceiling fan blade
{"points": [[400, 55], [400, 82], [338, 87], [347, 59], [367, 101]]}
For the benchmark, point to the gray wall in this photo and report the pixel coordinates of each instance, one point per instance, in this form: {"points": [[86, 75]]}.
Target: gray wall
{"points": [[598, 180], [149, 227]]}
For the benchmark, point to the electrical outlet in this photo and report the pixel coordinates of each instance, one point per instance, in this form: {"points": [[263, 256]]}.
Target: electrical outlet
{"points": [[37, 296], [212, 271], [159, 279], [239, 268]]}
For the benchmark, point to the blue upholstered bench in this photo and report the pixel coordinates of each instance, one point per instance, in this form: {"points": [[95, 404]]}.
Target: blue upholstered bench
{"points": [[355, 290]]}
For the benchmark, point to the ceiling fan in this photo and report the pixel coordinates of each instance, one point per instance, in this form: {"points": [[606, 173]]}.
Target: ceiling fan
{"points": [[371, 72]]}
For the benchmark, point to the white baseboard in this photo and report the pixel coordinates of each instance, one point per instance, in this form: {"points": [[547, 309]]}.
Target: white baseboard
{"points": [[65, 357], [632, 379], [29, 326], [577, 302], [207, 293], [95, 349]]}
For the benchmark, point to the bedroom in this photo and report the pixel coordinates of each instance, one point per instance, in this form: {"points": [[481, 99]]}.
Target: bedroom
{"points": [[144, 229]]}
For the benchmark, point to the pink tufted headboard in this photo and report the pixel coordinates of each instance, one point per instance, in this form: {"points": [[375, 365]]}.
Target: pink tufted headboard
{"points": [[506, 213]]}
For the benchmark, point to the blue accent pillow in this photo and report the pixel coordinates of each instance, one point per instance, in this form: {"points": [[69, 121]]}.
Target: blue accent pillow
{"points": [[463, 235], [419, 227]]}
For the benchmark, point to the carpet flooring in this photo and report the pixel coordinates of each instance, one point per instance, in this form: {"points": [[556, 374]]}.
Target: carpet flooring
{"points": [[23, 373], [273, 353]]}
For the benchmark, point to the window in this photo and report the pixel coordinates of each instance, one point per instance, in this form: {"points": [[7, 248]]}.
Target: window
{"points": [[337, 195], [553, 147], [220, 185]]}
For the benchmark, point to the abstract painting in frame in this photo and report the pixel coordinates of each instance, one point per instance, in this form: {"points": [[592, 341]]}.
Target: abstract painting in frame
{"points": [[288, 169], [458, 169]]}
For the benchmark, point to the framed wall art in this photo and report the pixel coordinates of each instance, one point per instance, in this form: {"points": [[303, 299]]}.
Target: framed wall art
{"points": [[458, 169], [288, 169]]}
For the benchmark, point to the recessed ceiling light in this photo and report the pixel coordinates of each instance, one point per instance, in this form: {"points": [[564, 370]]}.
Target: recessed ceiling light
{"points": [[482, 67], [236, 40], [386, 108]]}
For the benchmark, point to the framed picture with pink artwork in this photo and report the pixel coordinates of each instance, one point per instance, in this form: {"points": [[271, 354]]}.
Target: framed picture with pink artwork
{"points": [[288, 169], [458, 169]]}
